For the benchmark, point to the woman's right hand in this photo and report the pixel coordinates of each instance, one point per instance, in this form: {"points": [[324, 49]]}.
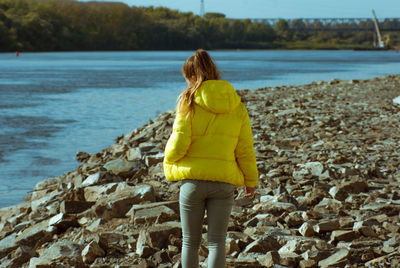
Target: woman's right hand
{"points": [[250, 192]]}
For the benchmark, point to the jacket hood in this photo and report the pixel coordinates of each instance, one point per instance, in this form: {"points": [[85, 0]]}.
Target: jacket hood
{"points": [[217, 96]]}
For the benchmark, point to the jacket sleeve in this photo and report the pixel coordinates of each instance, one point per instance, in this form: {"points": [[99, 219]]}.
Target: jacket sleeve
{"points": [[180, 139], [245, 154]]}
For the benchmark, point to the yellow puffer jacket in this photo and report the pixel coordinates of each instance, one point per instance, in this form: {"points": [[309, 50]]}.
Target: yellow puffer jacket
{"points": [[216, 143]]}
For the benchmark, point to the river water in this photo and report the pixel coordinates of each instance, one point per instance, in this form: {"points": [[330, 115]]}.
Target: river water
{"points": [[53, 105]]}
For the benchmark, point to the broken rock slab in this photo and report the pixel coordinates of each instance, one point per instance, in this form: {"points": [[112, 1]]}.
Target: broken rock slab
{"points": [[117, 204], [338, 259], [157, 214], [91, 252], [60, 254]]}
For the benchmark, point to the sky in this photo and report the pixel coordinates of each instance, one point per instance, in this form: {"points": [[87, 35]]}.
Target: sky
{"points": [[287, 9]]}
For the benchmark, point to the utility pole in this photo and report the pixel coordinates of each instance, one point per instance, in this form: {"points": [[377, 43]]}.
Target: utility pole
{"points": [[202, 8]]}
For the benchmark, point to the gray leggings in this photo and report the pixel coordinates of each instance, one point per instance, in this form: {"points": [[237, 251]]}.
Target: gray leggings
{"points": [[195, 197]]}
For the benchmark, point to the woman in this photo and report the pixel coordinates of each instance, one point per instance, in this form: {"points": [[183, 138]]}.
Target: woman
{"points": [[211, 151]]}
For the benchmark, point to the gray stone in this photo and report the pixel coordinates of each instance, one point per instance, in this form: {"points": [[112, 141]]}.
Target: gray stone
{"points": [[93, 193], [157, 214], [262, 245], [37, 234], [8, 244], [160, 233], [45, 201], [338, 259], [120, 202], [342, 235], [270, 259], [327, 226], [143, 248], [307, 264], [119, 166], [174, 205], [74, 207], [133, 154], [328, 205], [152, 160], [100, 178], [20, 256], [289, 259], [91, 252], [306, 229], [62, 253]]}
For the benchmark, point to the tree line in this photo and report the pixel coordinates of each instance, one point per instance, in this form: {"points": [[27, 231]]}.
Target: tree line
{"points": [[69, 25]]}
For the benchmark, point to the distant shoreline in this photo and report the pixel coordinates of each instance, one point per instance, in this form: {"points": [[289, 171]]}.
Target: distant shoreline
{"points": [[222, 49]]}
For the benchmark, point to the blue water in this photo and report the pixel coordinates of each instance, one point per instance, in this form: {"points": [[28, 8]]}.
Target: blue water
{"points": [[53, 105]]}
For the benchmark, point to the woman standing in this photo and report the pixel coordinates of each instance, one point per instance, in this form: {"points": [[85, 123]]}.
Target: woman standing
{"points": [[211, 151]]}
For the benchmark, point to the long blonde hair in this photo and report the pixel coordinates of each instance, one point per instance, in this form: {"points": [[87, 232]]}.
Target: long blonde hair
{"points": [[197, 68]]}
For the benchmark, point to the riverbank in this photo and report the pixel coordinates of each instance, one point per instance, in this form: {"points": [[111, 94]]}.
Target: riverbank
{"points": [[328, 156]]}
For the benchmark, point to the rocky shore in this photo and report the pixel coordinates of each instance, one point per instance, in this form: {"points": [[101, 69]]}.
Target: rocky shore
{"points": [[328, 154]]}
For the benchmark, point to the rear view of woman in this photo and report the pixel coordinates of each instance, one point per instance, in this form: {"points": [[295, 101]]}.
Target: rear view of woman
{"points": [[211, 151]]}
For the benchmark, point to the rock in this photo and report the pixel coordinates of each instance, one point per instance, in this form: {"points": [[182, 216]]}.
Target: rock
{"points": [[364, 229], [264, 219], [380, 259], [160, 233], [119, 166], [275, 208], [157, 214], [354, 187], [36, 235], [396, 100], [327, 226], [82, 156], [146, 147], [74, 207], [317, 169], [143, 248], [115, 242], [94, 225], [338, 193], [289, 259], [306, 230], [47, 183], [307, 264], [8, 244], [316, 254], [91, 252], [160, 257], [62, 222], [297, 244], [341, 235], [99, 178], [243, 262], [133, 154], [232, 246], [338, 259], [119, 203], [270, 259], [328, 205], [152, 160], [334, 81], [262, 245], [94, 193], [20, 256], [294, 219], [45, 201], [61, 253], [174, 205]]}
